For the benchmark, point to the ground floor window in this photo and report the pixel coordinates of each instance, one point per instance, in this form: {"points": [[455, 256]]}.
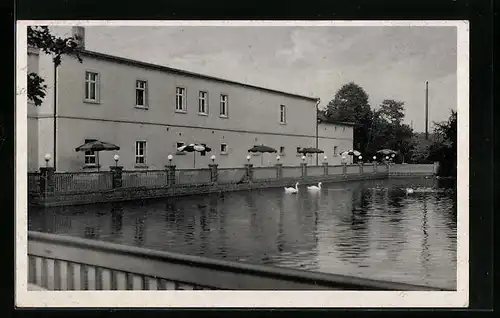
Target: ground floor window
{"points": [[140, 152], [90, 156], [223, 149]]}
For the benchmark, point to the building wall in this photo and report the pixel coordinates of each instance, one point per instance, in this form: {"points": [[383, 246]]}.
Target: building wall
{"points": [[249, 108], [253, 118], [161, 141], [335, 135], [32, 144]]}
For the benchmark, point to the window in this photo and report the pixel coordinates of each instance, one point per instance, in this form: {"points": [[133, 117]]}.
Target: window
{"points": [[282, 114], [223, 105], [90, 156], [223, 149], [334, 150], [140, 152], [282, 151], [91, 86], [180, 99], [141, 88], [203, 103]]}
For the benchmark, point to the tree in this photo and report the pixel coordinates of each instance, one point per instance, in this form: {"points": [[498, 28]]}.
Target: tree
{"points": [[392, 111], [444, 147], [350, 104], [40, 37]]}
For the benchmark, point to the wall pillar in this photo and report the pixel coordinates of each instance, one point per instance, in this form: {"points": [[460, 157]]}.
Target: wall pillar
{"points": [[249, 168], [279, 170], [436, 168], [116, 172], [303, 165], [47, 184], [170, 174], [214, 174], [325, 168]]}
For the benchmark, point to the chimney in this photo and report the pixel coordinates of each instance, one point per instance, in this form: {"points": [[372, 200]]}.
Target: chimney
{"points": [[78, 34]]}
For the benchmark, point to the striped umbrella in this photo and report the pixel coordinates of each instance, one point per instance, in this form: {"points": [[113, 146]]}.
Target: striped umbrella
{"points": [[194, 148]]}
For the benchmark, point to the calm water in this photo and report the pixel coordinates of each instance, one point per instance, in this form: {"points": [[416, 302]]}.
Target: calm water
{"points": [[370, 229]]}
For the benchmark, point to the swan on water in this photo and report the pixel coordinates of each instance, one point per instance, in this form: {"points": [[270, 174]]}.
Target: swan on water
{"points": [[313, 187], [409, 190], [292, 190]]}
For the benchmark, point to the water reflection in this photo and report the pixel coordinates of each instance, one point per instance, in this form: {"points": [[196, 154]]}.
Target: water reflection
{"points": [[371, 229]]}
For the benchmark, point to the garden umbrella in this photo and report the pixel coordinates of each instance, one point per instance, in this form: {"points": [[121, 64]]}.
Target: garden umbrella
{"points": [[351, 153], [262, 149], [386, 152], [309, 150], [194, 148], [97, 146]]}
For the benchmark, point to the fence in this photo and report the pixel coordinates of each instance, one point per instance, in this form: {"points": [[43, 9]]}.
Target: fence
{"points": [[315, 171], [147, 178], [33, 182], [265, 173], [231, 175], [193, 176], [82, 181], [49, 188], [58, 262], [291, 172]]}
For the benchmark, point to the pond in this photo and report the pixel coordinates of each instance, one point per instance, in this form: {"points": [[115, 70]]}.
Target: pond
{"points": [[371, 229]]}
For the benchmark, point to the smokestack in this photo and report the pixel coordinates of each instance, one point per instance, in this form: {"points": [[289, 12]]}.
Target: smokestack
{"points": [[78, 34], [426, 110]]}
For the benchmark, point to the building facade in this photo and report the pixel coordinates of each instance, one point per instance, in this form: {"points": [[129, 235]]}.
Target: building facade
{"points": [[150, 110]]}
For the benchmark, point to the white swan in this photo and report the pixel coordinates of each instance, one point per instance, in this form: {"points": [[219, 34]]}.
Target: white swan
{"points": [[313, 187], [409, 190], [292, 190]]}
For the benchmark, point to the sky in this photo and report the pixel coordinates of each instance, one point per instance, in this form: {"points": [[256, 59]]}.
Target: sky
{"points": [[388, 62]]}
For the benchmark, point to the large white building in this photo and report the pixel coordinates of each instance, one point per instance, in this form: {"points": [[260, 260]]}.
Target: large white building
{"points": [[149, 110]]}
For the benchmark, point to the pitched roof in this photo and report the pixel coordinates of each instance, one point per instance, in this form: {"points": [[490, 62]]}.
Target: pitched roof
{"points": [[123, 60]]}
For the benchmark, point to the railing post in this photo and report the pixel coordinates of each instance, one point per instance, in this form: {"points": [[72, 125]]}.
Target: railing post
{"points": [[303, 166], [47, 180], [116, 172], [360, 166], [436, 168], [214, 174], [388, 165], [249, 168], [279, 170], [325, 168], [170, 175]]}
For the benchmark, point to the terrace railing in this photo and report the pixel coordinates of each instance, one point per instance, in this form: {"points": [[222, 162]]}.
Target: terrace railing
{"points": [[82, 181], [193, 176], [146, 178], [231, 175], [265, 173], [58, 262]]}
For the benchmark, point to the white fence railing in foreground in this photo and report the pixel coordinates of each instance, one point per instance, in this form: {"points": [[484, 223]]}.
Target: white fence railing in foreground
{"points": [[66, 263]]}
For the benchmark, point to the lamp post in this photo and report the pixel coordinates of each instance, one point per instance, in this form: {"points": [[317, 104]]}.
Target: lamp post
{"points": [[303, 158], [317, 122], [278, 158], [116, 158], [325, 158], [47, 159], [343, 160], [360, 159], [374, 158], [248, 158], [170, 157], [213, 158]]}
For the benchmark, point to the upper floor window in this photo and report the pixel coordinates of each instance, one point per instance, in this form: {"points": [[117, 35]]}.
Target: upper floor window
{"points": [[180, 99], [282, 114], [141, 89], [92, 86], [140, 152], [203, 103], [335, 150], [223, 105], [282, 151]]}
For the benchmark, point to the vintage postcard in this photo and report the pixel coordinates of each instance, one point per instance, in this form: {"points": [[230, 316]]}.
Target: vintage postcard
{"points": [[242, 164]]}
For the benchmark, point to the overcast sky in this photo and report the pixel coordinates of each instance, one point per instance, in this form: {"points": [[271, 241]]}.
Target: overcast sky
{"points": [[388, 62]]}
